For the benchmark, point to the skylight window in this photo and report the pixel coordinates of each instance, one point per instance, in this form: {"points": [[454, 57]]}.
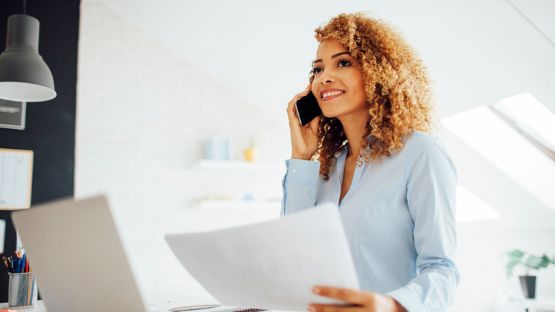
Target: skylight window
{"points": [[498, 142], [533, 120], [471, 208]]}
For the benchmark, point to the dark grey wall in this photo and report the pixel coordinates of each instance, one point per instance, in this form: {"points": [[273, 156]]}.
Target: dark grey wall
{"points": [[50, 126]]}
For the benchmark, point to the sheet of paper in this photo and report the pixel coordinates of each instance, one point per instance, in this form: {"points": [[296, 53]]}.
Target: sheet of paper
{"points": [[16, 175], [273, 264], [2, 235]]}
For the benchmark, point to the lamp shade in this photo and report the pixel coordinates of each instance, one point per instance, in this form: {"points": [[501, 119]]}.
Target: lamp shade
{"points": [[24, 76]]}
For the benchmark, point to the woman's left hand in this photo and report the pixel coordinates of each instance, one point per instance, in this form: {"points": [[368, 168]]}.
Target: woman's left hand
{"points": [[360, 301]]}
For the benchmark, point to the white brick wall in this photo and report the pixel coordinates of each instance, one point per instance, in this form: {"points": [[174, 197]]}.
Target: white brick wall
{"points": [[142, 116]]}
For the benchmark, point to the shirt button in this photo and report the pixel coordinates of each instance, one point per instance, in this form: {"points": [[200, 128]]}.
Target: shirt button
{"points": [[294, 170]]}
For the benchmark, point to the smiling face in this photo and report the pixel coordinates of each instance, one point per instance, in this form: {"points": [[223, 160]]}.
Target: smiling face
{"points": [[338, 83]]}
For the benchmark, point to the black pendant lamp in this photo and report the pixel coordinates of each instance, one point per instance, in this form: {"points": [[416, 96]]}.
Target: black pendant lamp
{"points": [[24, 76]]}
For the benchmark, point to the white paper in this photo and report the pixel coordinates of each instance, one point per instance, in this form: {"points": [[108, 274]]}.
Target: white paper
{"points": [[2, 235], [272, 264], [16, 174]]}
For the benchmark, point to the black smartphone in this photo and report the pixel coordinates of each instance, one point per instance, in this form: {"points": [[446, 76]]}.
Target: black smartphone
{"points": [[307, 108]]}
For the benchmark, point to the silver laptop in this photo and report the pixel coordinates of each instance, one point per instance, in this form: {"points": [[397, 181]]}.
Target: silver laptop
{"points": [[77, 256]]}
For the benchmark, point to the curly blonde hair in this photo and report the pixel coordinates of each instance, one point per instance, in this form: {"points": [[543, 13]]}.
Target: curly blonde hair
{"points": [[395, 82]]}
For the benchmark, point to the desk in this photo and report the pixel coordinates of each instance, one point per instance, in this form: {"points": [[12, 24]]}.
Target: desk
{"points": [[40, 307], [168, 301], [153, 308]]}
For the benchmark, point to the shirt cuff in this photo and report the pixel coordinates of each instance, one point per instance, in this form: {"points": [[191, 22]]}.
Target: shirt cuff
{"points": [[299, 170], [406, 298]]}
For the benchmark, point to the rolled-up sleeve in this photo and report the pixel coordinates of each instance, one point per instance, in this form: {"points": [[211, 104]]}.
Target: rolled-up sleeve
{"points": [[431, 192], [300, 185]]}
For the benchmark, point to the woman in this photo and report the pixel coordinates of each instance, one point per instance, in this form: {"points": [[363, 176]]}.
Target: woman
{"points": [[370, 153]]}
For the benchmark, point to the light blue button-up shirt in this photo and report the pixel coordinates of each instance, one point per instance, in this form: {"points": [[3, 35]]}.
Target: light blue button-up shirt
{"points": [[399, 217]]}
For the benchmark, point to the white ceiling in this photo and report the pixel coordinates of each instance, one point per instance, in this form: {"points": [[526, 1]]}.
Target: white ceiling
{"points": [[540, 14], [478, 52]]}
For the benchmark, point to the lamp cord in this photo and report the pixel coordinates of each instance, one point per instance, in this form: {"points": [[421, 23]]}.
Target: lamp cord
{"points": [[24, 6]]}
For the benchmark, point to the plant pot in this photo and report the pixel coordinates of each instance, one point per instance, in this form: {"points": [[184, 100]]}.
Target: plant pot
{"points": [[528, 285]]}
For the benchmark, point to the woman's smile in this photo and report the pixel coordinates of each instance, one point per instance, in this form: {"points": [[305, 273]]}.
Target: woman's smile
{"points": [[330, 94]]}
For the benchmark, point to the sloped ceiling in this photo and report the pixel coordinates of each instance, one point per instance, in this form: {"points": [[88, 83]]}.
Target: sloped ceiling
{"points": [[477, 51], [540, 14]]}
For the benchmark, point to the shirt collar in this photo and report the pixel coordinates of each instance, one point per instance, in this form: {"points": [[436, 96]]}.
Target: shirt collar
{"points": [[345, 148]]}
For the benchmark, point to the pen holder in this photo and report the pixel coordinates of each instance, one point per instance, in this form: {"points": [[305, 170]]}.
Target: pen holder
{"points": [[22, 290]]}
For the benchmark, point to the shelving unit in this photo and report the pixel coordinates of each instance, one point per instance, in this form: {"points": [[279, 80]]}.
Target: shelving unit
{"points": [[214, 204], [232, 185], [235, 166]]}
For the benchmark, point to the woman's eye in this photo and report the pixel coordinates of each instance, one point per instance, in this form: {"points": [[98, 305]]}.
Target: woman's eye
{"points": [[343, 63], [315, 70]]}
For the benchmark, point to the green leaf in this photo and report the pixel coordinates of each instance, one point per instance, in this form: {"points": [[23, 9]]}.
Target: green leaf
{"points": [[515, 254], [533, 262], [545, 261]]}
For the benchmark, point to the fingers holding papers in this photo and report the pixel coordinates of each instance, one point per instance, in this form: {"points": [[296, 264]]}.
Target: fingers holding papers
{"points": [[355, 301]]}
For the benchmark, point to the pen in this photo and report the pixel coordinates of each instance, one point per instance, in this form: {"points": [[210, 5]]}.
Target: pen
{"points": [[15, 265], [194, 307], [23, 263]]}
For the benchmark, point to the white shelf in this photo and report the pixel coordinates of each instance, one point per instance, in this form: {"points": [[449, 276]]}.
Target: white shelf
{"points": [[215, 204], [239, 185], [234, 166]]}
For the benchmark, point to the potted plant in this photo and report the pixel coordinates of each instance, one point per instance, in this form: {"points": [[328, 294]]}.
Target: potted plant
{"points": [[517, 257]]}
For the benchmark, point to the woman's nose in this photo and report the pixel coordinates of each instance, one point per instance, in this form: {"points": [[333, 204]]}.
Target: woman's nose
{"points": [[326, 79], [327, 76]]}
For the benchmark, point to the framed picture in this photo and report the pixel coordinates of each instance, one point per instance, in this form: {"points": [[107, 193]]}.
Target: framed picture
{"points": [[16, 179], [12, 114]]}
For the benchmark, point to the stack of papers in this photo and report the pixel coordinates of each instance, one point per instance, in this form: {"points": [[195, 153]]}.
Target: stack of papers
{"points": [[273, 264]]}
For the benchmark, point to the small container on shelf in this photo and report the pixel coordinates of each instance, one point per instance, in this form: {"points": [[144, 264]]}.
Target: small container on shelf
{"points": [[251, 153], [217, 148]]}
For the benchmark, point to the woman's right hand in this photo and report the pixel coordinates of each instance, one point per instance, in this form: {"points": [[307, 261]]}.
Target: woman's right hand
{"points": [[304, 139]]}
